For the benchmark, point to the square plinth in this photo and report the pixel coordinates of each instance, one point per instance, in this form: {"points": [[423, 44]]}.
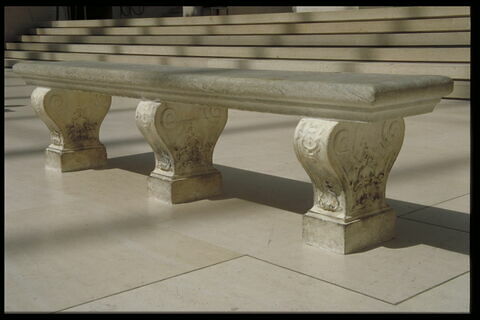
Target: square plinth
{"points": [[348, 237], [186, 189], [74, 160]]}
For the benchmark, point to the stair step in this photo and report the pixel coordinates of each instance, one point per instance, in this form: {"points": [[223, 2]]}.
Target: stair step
{"points": [[326, 53], [388, 26], [344, 15], [395, 39], [453, 70]]}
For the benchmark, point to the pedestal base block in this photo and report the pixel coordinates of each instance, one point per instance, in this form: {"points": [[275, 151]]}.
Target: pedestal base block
{"points": [[185, 189], [74, 160], [348, 237]]}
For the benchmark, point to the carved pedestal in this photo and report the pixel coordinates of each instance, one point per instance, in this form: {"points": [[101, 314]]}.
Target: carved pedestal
{"points": [[348, 164], [74, 119], [182, 137]]}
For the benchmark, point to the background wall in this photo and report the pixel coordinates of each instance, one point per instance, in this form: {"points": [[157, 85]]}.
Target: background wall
{"points": [[321, 8], [19, 19], [257, 9], [146, 11]]}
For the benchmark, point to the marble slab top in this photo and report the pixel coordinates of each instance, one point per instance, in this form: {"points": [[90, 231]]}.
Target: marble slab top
{"points": [[338, 95]]}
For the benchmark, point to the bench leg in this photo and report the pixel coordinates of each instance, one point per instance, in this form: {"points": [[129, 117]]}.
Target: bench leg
{"points": [[182, 137], [74, 119], [348, 163]]}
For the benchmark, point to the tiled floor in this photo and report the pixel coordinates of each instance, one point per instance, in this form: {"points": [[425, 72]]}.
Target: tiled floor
{"points": [[93, 241]]}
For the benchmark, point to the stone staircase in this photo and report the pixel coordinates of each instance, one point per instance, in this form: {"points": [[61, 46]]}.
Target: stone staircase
{"points": [[396, 40]]}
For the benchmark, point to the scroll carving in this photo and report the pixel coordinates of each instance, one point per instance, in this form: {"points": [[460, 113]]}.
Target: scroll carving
{"points": [[73, 117], [182, 136], [348, 163]]}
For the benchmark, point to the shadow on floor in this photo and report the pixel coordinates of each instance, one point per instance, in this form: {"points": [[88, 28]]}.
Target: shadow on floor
{"points": [[41, 150], [16, 106], [297, 197], [281, 193], [142, 163]]}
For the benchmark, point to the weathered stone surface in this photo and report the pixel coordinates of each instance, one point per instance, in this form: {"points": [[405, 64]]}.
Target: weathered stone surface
{"points": [[348, 164], [342, 96], [348, 237], [180, 190], [74, 119], [182, 137], [184, 110]]}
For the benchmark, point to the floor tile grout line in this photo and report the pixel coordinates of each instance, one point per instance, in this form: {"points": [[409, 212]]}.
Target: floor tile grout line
{"points": [[431, 288], [323, 280], [435, 225], [431, 205], [147, 284], [358, 292], [403, 216]]}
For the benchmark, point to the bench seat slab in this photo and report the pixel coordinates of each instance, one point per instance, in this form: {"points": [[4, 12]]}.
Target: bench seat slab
{"points": [[73, 118], [183, 137], [349, 164]]}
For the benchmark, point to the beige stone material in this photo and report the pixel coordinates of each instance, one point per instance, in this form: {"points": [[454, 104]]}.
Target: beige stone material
{"points": [[391, 39], [71, 252], [254, 286], [74, 119], [183, 137], [348, 164], [348, 156], [342, 96], [348, 237], [328, 53], [414, 25], [461, 90], [94, 236], [452, 70], [343, 15]]}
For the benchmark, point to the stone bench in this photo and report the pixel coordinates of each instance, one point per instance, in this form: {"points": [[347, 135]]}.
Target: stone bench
{"points": [[348, 139]]}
